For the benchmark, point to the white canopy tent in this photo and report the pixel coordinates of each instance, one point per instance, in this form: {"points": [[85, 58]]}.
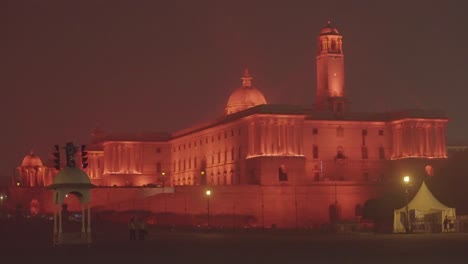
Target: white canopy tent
{"points": [[426, 213]]}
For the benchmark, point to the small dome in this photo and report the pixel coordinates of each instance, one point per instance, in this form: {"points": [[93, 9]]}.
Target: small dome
{"points": [[329, 30], [244, 97], [31, 160], [69, 175]]}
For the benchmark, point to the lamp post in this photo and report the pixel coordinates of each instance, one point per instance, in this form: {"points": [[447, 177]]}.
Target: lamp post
{"points": [[407, 180], [208, 194], [163, 179]]}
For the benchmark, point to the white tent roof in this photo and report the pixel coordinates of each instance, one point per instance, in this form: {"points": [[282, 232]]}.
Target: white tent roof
{"points": [[424, 200]]}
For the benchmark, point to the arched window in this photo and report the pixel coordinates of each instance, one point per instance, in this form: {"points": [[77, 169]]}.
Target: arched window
{"points": [[333, 44], [334, 213], [364, 152], [315, 152], [282, 173], [381, 153], [340, 153]]}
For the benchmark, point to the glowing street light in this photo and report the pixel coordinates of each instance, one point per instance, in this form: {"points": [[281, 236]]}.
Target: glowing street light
{"points": [[208, 194], [2, 198], [163, 178], [407, 182]]}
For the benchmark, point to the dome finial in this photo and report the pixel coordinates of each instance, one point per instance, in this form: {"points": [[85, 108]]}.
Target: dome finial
{"points": [[246, 78]]}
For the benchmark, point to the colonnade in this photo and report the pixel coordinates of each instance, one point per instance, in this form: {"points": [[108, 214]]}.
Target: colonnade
{"points": [[419, 139], [123, 158], [275, 137]]}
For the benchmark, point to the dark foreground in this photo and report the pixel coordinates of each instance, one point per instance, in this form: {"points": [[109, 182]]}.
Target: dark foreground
{"points": [[30, 242]]}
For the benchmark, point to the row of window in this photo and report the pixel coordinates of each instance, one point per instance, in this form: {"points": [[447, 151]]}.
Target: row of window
{"points": [[365, 176], [340, 152], [183, 164], [206, 140], [340, 131]]}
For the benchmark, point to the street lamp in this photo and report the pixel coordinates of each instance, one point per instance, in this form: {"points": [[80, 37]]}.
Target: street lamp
{"points": [[2, 198], [208, 194], [163, 179], [407, 182]]}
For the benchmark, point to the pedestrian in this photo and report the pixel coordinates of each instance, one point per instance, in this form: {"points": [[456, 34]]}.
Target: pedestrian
{"points": [[132, 228], [142, 228], [446, 224]]}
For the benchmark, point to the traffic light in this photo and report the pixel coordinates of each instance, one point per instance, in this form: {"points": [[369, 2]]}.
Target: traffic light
{"points": [[70, 150], [84, 157], [56, 154]]}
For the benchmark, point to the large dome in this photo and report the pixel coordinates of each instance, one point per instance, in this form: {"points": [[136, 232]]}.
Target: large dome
{"points": [[69, 175], [31, 160], [244, 97]]}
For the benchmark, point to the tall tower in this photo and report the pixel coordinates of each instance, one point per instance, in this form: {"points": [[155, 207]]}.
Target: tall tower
{"points": [[330, 71]]}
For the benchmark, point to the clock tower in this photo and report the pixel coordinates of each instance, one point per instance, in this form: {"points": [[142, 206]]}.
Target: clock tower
{"points": [[330, 95]]}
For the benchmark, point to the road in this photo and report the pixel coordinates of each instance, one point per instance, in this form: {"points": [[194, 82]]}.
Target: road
{"points": [[30, 242]]}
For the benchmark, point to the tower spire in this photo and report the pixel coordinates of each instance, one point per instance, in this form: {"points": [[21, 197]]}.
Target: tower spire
{"points": [[246, 78]]}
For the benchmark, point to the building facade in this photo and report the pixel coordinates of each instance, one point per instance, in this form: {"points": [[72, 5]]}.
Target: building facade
{"points": [[279, 148]]}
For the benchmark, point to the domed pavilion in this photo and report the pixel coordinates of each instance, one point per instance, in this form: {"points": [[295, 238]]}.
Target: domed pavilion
{"points": [[72, 180]]}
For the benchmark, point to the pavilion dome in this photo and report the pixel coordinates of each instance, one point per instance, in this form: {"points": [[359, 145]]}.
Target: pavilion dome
{"points": [[31, 160], [329, 30], [244, 97], [71, 175]]}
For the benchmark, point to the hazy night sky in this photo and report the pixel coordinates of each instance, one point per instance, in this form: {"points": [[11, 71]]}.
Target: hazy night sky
{"points": [[142, 66]]}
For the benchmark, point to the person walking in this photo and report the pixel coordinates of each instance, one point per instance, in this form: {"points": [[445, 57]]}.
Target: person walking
{"points": [[132, 228], [142, 228], [446, 224]]}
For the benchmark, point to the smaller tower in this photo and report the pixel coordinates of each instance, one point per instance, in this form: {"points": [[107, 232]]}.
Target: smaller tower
{"points": [[330, 94]]}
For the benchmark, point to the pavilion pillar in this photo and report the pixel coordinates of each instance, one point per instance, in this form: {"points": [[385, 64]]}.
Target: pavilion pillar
{"points": [[60, 224], [89, 223], [83, 219], [55, 223]]}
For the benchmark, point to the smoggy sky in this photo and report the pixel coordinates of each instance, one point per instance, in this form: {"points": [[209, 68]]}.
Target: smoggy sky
{"points": [[142, 66]]}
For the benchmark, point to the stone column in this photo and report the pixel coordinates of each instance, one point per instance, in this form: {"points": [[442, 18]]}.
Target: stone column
{"points": [[444, 148], [438, 132], [252, 143], [287, 139], [262, 134]]}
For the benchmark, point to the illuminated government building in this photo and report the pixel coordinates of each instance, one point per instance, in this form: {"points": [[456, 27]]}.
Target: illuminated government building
{"points": [[281, 164]]}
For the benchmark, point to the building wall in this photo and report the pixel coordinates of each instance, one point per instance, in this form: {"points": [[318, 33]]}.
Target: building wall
{"points": [[212, 156], [365, 147], [283, 206]]}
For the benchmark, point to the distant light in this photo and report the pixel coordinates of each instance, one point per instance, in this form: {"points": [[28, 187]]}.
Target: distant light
{"points": [[1, 197], [406, 179], [17, 184], [208, 193], [163, 173], [202, 173], [66, 195]]}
